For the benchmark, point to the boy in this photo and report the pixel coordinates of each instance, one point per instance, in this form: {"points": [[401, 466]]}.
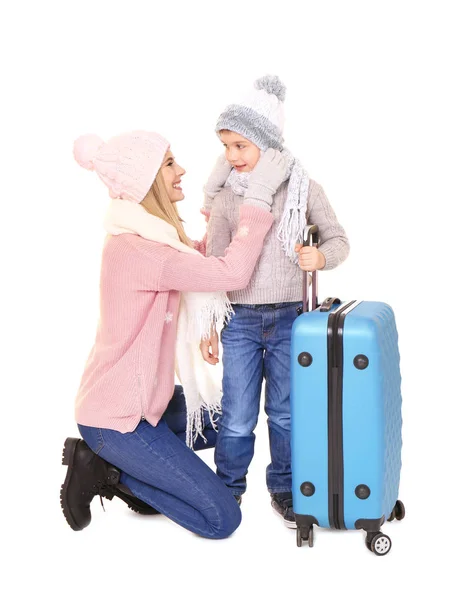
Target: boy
{"points": [[256, 341]]}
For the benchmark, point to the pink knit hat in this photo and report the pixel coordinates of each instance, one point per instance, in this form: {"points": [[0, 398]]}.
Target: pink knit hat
{"points": [[127, 164]]}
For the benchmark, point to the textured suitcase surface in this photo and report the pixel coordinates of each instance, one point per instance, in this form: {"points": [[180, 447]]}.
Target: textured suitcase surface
{"points": [[345, 416]]}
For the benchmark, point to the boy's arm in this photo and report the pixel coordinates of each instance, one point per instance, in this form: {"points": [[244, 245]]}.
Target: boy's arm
{"points": [[334, 243], [218, 229]]}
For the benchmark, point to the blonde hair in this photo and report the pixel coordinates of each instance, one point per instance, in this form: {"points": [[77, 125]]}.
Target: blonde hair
{"points": [[157, 203]]}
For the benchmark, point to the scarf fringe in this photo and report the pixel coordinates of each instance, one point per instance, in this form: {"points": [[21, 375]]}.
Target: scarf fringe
{"points": [[214, 313], [290, 232], [195, 422]]}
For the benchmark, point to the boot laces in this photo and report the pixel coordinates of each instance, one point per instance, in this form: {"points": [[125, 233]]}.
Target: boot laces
{"points": [[103, 490]]}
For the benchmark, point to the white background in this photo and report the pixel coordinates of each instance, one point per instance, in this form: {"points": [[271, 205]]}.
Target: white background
{"points": [[371, 112]]}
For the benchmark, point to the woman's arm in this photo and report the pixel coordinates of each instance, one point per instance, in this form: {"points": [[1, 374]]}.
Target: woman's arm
{"points": [[165, 268], [171, 269]]}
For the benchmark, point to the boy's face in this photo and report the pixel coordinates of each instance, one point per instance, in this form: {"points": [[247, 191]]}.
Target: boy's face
{"points": [[241, 153]]}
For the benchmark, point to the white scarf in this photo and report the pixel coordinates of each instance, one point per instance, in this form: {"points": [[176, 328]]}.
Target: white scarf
{"points": [[293, 222], [198, 311]]}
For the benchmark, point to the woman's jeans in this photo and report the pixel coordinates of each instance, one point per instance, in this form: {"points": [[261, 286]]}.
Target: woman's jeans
{"points": [[256, 346], [158, 467]]}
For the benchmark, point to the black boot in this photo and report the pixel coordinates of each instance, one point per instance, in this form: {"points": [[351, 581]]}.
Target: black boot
{"points": [[88, 475]]}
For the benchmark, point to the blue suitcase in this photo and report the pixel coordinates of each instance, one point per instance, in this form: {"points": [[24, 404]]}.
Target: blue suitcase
{"points": [[345, 417]]}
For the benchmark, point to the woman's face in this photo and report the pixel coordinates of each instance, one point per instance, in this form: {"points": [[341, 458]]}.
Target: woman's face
{"points": [[172, 174], [240, 152]]}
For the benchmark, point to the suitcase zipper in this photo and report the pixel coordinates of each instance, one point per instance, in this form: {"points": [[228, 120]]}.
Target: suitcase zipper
{"points": [[335, 429]]}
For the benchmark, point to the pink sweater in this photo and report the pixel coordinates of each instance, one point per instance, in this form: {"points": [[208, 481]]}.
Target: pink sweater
{"points": [[129, 374]]}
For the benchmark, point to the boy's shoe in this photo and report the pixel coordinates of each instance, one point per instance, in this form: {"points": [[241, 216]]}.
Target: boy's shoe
{"points": [[282, 503]]}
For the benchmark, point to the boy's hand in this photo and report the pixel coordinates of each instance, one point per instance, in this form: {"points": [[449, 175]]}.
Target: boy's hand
{"points": [[213, 343], [310, 258]]}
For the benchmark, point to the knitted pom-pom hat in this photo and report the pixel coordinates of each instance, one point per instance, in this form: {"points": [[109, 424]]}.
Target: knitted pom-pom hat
{"points": [[127, 164], [259, 116]]}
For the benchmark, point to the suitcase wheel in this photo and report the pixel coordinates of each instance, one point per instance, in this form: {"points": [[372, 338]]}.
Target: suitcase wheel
{"points": [[398, 512], [303, 535], [311, 537], [299, 537], [378, 543]]}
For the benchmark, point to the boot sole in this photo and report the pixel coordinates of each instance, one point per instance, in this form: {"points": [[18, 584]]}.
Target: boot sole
{"points": [[68, 455], [135, 504], [143, 511]]}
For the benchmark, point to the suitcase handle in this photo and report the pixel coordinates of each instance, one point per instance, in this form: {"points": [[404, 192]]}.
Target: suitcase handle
{"points": [[310, 239], [327, 304]]}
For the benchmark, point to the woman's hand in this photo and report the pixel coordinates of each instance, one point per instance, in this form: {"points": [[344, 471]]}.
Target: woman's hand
{"points": [[266, 178], [213, 343], [310, 258], [216, 181]]}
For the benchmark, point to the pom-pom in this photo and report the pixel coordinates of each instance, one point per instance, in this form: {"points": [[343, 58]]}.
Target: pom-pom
{"points": [[85, 150], [273, 85]]}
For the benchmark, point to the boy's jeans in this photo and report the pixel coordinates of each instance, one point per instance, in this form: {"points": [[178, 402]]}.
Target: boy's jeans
{"points": [[256, 344]]}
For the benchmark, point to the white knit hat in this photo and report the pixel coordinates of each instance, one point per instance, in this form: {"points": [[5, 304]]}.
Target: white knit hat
{"points": [[259, 116]]}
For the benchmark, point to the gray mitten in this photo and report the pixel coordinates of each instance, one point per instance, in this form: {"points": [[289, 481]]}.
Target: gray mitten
{"points": [[216, 181], [266, 178]]}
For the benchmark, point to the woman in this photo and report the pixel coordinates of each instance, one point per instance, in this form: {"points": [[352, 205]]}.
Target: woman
{"points": [[159, 296]]}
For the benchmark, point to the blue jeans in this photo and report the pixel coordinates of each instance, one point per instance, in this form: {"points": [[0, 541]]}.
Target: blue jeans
{"points": [[256, 345], [158, 467]]}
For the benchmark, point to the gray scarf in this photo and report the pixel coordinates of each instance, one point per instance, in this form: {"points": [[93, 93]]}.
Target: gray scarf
{"points": [[292, 224]]}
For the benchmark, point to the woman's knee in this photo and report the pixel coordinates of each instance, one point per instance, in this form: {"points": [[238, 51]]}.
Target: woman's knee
{"points": [[229, 517]]}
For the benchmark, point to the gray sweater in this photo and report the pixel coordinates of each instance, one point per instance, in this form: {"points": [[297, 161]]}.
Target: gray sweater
{"points": [[275, 278]]}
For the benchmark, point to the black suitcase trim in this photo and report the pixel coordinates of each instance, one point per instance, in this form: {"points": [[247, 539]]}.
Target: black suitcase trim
{"points": [[335, 428], [305, 521], [370, 525]]}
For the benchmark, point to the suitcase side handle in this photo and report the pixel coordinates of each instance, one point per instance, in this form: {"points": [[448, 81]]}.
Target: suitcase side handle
{"points": [[310, 239], [327, 304]]}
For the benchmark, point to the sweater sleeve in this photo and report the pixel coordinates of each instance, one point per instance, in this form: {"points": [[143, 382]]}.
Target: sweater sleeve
{"points": [[218, 229], [195, 273], [333, 240]]}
